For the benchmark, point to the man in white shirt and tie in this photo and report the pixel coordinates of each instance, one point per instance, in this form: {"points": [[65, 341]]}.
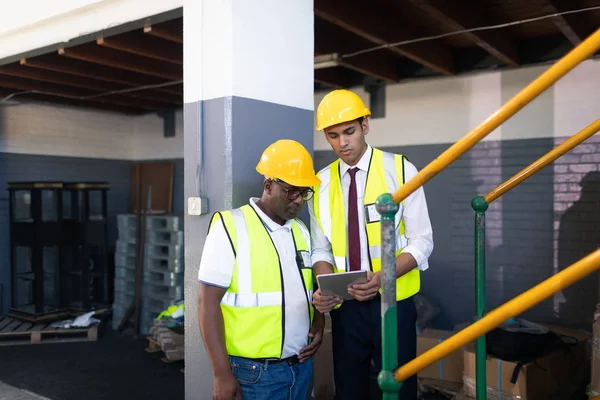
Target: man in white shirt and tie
{"points": [[345, 235]]}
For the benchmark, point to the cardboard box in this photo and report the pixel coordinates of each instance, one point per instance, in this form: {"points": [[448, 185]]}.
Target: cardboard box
{"points": [[541, 380], [448, 369], [595, 381]]}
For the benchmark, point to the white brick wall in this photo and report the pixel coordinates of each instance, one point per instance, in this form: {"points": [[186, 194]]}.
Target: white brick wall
{"points": [[70, 132], [149, 142], [65, 131]]}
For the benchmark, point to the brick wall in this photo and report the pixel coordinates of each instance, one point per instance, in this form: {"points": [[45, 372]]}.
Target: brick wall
{"points": [[63, 131], [577, 223]]}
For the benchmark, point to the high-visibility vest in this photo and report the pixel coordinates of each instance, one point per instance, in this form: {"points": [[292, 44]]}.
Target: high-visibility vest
{"points": [[253, 305], [385, 175]]}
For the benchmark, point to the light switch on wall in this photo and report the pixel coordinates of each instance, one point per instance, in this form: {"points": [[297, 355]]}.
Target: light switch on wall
{"points": [[197, 205]]}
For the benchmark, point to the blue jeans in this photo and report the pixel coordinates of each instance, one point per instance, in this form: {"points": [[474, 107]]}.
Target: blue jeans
{"points": [[272, 381]]}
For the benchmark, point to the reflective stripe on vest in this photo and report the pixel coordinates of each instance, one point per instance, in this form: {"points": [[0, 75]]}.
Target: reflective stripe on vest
{"points": [[385, 176], [253, 312]]}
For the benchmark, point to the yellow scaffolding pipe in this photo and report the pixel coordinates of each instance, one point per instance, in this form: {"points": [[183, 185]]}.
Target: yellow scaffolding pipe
{"points": [[386, 378], [543, 161], [508, 310], [480, 205], [585, 49]]}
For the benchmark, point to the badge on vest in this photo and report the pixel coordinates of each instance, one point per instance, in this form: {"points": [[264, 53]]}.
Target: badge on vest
{"points": [[303, 258], [371, 213]]}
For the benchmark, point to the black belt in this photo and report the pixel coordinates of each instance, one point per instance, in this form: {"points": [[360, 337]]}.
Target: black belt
{"points": [[293, 360]]}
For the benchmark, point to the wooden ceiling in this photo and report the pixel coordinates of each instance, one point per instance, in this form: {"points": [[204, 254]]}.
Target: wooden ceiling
{"points": [[133, 72], [356, 27], [141, 70]]}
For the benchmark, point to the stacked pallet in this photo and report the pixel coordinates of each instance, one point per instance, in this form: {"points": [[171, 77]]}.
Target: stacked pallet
{"points": [[163, 339], [162, 281], [14, 331]]}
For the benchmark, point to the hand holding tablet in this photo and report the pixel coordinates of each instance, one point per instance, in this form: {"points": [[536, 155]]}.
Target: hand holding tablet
{"points": [[337, 284]]}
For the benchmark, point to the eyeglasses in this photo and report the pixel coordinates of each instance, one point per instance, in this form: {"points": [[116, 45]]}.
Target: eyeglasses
{"points": [[293, 194]]}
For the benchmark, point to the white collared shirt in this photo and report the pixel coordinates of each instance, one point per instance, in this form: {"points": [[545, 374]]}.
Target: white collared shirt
{"points": [[216, 269], [418, 236]]}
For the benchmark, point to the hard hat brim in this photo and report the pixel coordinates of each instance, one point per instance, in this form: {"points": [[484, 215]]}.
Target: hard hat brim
{"points": [[307, 182], [352, 117]]}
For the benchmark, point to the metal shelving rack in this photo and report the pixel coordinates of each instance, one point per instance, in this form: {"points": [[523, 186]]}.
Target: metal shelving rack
{"points": [[58, 246]]}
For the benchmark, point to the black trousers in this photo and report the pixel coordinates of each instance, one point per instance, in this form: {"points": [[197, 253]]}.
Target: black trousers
{"points": [[356, 334]]}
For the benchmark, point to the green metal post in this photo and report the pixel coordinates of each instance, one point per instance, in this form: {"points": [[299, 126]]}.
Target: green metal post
{"points": [[480, 206], [387, 208]]}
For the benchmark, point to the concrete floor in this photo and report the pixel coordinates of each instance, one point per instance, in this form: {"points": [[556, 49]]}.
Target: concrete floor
{"points": [[113, 368], [8, 392]]}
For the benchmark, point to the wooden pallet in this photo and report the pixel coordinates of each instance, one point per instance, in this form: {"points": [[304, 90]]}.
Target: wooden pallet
{"points": [[47, 317], [170, 343], [14, 331]]}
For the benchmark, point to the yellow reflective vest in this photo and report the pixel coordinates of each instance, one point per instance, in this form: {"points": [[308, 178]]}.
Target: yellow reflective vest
{"points": [[253, 306], [386, 175]]}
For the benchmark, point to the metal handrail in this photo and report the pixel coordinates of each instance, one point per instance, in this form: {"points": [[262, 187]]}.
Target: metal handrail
{"points": [[543, 161], [480, 205], [390, 381], [585, 49], [503, 313]]}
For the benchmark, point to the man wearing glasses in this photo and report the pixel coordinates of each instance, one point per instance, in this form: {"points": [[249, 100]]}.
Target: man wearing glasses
{"points": [[254, 307]]}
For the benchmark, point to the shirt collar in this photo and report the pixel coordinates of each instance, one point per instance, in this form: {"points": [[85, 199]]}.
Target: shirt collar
{"points": [[268, 222], [363, 164]]}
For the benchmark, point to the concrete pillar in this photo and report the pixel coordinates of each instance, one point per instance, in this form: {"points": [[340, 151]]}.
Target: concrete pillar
{"points": [[248, 81]]}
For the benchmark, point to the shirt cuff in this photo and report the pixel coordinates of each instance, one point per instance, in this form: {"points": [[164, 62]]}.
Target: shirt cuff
{"points": [[422, 262], [317, 256]]}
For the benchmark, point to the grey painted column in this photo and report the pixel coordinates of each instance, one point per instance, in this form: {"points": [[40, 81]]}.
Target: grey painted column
{"points": [[248, 81]]}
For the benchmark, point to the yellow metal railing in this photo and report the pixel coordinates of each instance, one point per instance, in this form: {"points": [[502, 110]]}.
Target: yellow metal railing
{"points": [[524, 97], [519, 178], [480, 205], [543, 161], [514, 307], [387, 206]]}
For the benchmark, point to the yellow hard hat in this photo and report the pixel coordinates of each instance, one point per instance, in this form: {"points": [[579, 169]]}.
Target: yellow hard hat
{"points": [[340, 106], [290, 162]]}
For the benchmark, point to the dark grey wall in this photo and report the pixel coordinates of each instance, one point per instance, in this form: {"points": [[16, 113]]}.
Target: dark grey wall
{"points": [[522, 226]]}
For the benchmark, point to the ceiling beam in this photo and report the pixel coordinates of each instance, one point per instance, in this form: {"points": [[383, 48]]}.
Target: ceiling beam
{"points": [[330, 38], [382, 27], [60, 78], [336, 78], [53, 62], [169, 30], [459, 17], [77, 94], [83, 104], [144, 45], [574, 32], [116, 59]]}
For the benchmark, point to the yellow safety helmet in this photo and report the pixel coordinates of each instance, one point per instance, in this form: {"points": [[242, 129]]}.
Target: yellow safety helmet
{"points": [[340, 106], [289, 161]]}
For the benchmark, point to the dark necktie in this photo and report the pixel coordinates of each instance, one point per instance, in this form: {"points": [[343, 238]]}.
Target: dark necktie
{"points": [[353, 233]]}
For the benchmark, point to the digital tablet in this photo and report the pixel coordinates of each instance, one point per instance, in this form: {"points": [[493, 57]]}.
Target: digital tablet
{"points": [[337, 284]]}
